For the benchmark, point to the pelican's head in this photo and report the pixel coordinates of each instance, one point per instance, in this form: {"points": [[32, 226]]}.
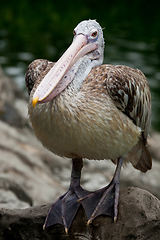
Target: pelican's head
{"points": [[94, 35], [88, 41]]}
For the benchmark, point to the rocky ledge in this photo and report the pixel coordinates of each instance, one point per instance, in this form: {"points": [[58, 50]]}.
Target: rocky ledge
{"points": [[139, 218], [31, 177]]}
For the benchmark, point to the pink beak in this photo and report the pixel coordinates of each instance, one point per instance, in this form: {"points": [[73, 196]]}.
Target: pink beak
{"points": [[49, 86]]}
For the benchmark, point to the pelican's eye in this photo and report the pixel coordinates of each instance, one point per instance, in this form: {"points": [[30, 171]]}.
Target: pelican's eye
{"points": [[94, 34], [74, 32]]}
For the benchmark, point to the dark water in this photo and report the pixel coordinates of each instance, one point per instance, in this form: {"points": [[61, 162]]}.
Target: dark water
{"points": [[43, 29]]}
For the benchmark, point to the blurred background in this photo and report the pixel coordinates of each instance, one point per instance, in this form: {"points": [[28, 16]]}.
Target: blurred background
{"points": [[29, 174], [44, 29]]}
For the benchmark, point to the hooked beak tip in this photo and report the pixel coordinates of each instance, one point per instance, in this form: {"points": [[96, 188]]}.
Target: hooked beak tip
{"points": [[35, 101]]}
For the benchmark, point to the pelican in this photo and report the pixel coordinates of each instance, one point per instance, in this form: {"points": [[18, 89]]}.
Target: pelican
{"points": [[79, 109]]}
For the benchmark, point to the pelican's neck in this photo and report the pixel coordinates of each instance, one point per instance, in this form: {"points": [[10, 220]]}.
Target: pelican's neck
{"points": [[80, 71]]}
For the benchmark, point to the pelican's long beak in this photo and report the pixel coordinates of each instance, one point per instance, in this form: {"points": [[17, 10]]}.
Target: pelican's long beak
{"points": [[46, 89]]}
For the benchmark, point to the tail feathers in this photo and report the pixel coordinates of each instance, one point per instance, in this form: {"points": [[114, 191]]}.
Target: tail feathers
{"points": [[139, 156], [144, 161]]}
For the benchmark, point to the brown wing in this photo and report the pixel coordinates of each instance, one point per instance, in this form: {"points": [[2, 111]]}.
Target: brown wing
{"points": [[129, 90], [35, 72]]}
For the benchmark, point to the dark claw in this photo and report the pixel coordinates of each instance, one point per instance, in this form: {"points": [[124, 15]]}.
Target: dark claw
{"points": [[54, 215], [65, 208], [101, 202], [105, 200], [70, 207]]}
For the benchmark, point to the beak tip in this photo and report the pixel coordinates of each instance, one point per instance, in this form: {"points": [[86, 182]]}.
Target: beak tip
{"points": [[35, 101]]}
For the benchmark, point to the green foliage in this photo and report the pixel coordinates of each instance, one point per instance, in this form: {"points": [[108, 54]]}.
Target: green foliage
{"points": [[37, 26]]}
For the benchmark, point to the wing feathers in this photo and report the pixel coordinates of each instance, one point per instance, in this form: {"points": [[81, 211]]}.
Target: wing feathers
{"points": [[128, 88], [145, 162]]}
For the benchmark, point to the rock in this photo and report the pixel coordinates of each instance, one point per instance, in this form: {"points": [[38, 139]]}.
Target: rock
{"points": [[9, 200], [139, 218], [24, 168], [10, 94], [12, 195]]}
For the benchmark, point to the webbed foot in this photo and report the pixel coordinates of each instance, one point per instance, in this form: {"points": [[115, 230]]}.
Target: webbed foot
{"points": [[105, 200], [65, 208]]}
